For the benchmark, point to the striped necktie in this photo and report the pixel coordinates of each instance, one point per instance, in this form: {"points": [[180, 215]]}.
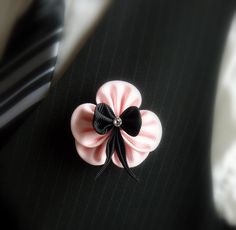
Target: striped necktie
{"points": [[28, 64]]}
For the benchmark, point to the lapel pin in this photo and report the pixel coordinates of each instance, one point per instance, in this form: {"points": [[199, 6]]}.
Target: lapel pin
{"points": [[115, 129]]}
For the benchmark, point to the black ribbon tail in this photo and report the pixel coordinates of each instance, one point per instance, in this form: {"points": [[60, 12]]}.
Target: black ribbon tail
{"points": [[121, 153], [110, 148]]}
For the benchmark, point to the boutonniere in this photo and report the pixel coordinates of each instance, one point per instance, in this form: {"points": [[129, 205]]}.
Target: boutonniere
{"points": [[115, 129]]}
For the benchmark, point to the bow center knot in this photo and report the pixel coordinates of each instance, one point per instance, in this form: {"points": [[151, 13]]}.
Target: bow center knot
{"points": [[117, 122]]}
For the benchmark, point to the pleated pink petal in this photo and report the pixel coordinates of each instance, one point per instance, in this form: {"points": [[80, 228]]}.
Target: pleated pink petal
{"points": [[119, 95], [82, 127], [149, 136], [93, 156]]}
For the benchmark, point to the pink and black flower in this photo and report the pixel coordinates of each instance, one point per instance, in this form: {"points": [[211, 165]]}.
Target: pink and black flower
{"points": [[115, 129]]}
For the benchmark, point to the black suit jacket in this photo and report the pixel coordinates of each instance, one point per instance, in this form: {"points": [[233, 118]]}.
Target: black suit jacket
{"points": [[171, 52]]}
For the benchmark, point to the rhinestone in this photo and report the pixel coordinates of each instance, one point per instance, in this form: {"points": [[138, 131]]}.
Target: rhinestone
{"points": [[117, 122]]}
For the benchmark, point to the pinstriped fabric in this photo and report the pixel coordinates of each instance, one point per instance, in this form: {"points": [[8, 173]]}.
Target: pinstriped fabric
{"points": [[170, 51], [29, 62]]}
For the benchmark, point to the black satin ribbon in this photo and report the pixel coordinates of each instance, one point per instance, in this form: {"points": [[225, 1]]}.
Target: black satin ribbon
{"points": [[103, 123]]}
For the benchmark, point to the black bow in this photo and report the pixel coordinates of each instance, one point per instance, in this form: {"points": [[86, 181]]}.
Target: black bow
{"points": [[104, 120]]}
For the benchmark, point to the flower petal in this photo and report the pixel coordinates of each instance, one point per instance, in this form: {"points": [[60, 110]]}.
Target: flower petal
{"points": [[93, 156], [149, 136], [82, 127], [133, 157], [119, 95]]}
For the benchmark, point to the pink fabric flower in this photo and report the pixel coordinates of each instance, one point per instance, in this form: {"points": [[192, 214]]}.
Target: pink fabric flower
{"points": [[91, 146]]}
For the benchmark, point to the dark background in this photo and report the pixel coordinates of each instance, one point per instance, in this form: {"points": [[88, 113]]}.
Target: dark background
{"points": [[170, 50]]}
